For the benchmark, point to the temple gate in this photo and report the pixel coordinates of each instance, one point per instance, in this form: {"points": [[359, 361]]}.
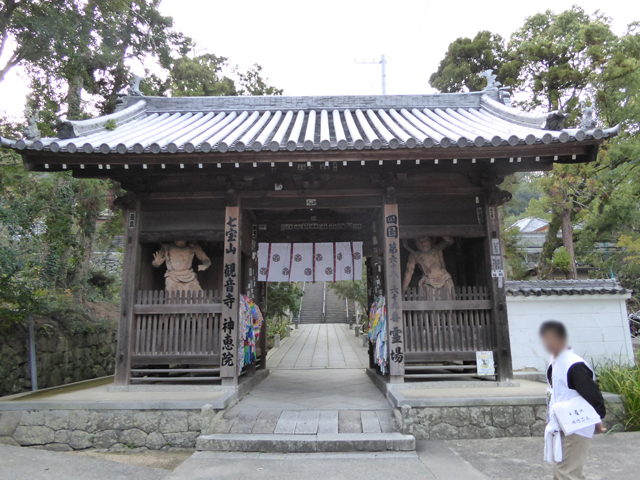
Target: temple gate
{"points": [[414, 178]]}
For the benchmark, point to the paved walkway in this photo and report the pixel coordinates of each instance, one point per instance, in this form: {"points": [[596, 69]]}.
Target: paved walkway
{"points": [[326, 345], [320, 367], [21, 463], [317, 384]]}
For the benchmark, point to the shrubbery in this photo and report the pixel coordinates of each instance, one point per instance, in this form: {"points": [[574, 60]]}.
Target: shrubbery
{"points": [[624, 380]]}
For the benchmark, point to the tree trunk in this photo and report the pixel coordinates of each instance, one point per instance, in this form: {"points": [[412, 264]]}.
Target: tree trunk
{"points": [[74, 97], [82, 272], [567, 238], [552, 242]]}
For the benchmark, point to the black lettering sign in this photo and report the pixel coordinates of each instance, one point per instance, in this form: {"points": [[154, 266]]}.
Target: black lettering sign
{"points": [[396, 355], [228, 325], [227, 359], [396, 335]]}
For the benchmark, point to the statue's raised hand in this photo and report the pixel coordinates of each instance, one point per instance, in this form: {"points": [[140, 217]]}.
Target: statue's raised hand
{"points": [[158, 257]]}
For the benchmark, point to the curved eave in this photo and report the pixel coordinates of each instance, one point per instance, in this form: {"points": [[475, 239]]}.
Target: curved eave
{"points": [[470, 123]]}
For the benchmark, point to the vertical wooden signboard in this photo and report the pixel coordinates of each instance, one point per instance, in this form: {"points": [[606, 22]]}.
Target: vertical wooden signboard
{"points": [[130, 269], [230, 294], [502, 348], [393, 284]]}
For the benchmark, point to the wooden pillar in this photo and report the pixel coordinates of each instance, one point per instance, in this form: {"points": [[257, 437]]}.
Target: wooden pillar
{"points": [[130, 273], [263, 333], [393, 290], [495, 263], [231, 278]]}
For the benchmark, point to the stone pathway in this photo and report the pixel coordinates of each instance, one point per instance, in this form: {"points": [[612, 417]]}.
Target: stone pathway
{"points": [[305, 422], [317, 398], [320, 346]]}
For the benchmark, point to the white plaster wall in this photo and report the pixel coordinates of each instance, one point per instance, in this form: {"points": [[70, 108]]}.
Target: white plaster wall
{"points": [[598, 328]]}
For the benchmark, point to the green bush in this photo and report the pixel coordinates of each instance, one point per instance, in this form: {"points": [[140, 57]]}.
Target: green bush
{"points": [[624, 380], [277, 327]]}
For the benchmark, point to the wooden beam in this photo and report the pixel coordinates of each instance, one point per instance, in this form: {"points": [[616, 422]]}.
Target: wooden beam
{"points": [[463, 231], [495, 264], [130, 274], [407, 154], [446, 305], [175, 359], [311, 201], [432, 357], [393, 285], [177, 309], [231, 278]]}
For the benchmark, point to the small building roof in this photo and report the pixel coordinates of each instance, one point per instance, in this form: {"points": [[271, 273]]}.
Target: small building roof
{"points": [[539, 288], [164, 126], [531, 225]]}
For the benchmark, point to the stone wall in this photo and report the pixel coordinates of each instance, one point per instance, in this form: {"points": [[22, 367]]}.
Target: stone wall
{"points": [[67, 430], [109, 261], [451, 423], [60, 358]]}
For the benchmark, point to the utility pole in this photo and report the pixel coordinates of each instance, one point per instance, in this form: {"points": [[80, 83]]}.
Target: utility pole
{"points": [[382, 62]]}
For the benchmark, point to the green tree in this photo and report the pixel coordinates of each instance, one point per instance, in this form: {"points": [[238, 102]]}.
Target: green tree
{"points": [[514, 256], [200, 76], [96, 50], [30, 25], [282, 298], [466, 59], [251, 82], [557, 56]]}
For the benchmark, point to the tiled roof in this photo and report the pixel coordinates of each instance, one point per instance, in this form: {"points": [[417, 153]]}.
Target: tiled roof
{"points": [[564, 287], [161, 125], [530, 224]]}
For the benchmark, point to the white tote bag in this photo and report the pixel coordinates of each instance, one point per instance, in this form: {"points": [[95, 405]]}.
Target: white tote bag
{"points": [[575, 414]]}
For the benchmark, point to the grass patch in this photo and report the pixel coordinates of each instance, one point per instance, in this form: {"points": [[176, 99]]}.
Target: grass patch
{"points": [[624, 380]]}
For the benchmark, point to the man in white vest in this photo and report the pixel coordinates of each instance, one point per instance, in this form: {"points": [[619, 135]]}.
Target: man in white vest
{"points": [[569, 376]]}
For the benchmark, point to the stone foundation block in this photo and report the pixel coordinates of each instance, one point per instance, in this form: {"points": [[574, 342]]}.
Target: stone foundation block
{"points": [[79, 440], [106, 439], [57, 419], [155, 441], [58, 447], [174, 422], [181, 439], [8, 441], [133, 437], [9, 422], [32, 418], [147, 421], [35, 435], [502, 416]]}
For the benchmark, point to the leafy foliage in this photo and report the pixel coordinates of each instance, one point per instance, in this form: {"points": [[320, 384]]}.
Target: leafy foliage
{"points": [[558, 61], [47, 223], [624, 380], [516, 267], [466, 59], [282, 298]]}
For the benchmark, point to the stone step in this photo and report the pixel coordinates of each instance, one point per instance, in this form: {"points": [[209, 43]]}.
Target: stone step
{"points": [[321, 442]]}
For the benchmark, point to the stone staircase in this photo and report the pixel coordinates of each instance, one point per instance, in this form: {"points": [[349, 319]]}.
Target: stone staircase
{"points": [[312, 305], [296, 431]]}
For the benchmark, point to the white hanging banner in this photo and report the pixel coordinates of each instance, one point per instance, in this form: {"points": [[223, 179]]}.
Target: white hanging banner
{"points": [[302, 265], [263, 261], [279, 263], [357, 260], [309, 262], [344, 261], [324, 262]]}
